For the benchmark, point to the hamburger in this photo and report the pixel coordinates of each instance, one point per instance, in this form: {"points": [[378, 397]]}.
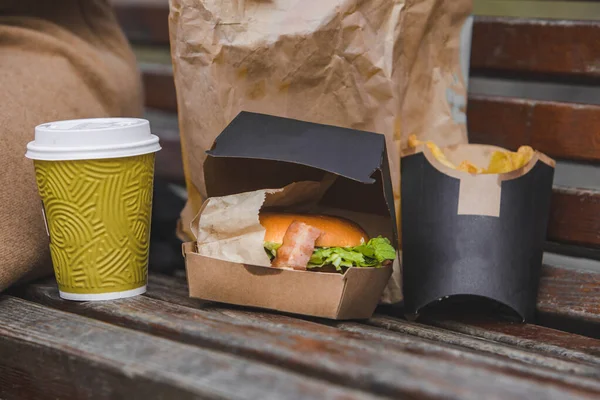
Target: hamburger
{"points": [[310, 241]]}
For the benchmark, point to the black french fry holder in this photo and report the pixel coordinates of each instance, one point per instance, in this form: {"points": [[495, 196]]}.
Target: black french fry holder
{"points": [[479, 236]]}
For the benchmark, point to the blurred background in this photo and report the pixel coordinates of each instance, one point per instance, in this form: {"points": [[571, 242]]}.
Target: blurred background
{"points": [[145, 23]]}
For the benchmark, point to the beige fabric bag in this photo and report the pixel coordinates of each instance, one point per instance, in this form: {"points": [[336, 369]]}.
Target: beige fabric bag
{"points": [[386, 66], [59, 59]]}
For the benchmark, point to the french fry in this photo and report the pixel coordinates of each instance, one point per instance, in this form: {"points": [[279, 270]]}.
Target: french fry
{"points": [[506, 161], [437, 152], [500, 161], [469, 167]]}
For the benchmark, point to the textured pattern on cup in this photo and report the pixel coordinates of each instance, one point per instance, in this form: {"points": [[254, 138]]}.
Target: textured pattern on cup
{"points": [[98, 216]]}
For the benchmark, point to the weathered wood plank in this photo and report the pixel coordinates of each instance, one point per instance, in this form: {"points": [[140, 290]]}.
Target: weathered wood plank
{"points": [[175, 290], [144, 21], [561, 130], [443, 341], [168, 161], [550, 341], [49, 354], [570, 300], [538, 339], [528, 336], [575, 217], [159, 87], [340, 356], [535, 46], [560, 290], [574, 347]]}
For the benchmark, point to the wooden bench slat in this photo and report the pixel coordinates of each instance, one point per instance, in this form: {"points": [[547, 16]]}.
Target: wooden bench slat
{"points": [[575, 217], [538, 46], [570, 300], [564, 345], [435, 341], [50, 354], [561, 130], [168, 164], [175, 290], [338, 356], [144, 21], [556, 343], [438, 343], [386, 329], [513, 335], [529, 336], [159, 87], [569, 346]]}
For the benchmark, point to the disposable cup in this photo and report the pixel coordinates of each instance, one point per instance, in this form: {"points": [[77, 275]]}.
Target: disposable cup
{"points": [[95, 179]]}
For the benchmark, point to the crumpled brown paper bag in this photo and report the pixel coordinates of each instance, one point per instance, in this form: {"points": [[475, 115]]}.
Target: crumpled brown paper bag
{"points": [[394, 67]]}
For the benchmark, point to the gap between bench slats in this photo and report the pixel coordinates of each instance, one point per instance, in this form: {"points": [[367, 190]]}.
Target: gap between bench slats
{"points": [[535, 46], [404, 365], [49, 354]]}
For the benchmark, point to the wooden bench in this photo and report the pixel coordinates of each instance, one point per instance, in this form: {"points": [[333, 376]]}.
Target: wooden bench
{"points": [[167, 345]]}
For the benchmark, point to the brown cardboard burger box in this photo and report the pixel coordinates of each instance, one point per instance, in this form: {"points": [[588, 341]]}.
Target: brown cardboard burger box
{"points": [[476, 236], [261, 162]]}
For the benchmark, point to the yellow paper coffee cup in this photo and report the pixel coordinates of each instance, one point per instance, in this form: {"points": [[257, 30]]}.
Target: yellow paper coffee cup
{"points": [[95, 179]]}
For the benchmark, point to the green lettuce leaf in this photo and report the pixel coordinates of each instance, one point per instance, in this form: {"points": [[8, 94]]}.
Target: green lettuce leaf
{"points": [[378, 248], [271, 249], [370, 254]]}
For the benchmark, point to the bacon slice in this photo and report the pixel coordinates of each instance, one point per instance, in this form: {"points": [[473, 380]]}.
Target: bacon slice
{"points": [[298, 246]]}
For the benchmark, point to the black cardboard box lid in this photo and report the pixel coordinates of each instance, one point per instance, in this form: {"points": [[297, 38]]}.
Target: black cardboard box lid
{"points": [[259, 151], [346, 152]]}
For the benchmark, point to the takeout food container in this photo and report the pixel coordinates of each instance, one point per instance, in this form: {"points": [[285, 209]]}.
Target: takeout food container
{"points": [[473, 234], [261, 162]]}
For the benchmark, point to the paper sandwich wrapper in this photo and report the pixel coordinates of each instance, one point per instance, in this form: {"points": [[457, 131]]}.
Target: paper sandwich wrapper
{"points": [[473, 235], [228, 264]]}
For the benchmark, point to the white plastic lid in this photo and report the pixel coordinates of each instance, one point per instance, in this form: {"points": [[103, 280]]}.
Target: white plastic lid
{"points": [[84, 139]]}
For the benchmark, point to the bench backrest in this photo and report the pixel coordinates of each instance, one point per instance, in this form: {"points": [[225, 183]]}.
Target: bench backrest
{"points": [[534, 50]]}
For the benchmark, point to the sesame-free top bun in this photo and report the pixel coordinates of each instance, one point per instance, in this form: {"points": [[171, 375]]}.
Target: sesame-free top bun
{"points": [[335, 232]]}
